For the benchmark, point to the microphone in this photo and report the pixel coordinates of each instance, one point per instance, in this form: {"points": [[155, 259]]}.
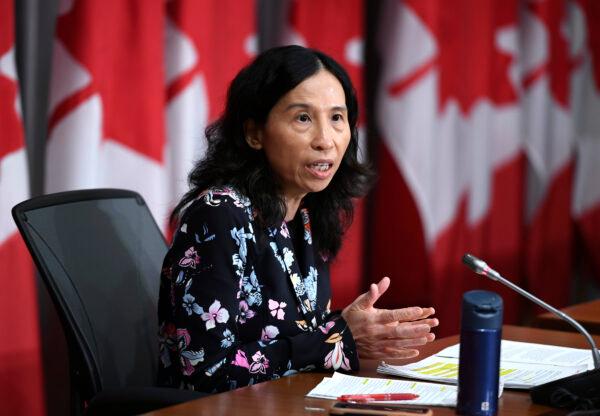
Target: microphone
{"points": [[480, 267], [581, 387]]}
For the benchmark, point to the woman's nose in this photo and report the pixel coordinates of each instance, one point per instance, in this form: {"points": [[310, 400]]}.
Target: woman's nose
{"points": [[323, 137]]}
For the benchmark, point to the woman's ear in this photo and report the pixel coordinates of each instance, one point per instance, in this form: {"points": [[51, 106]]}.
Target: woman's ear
{"points": [[253, 134]]}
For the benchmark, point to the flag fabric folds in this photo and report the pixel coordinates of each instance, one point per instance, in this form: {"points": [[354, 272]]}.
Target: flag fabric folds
{"points": [[21, 386], [207, 43], [586, 105], [134, 85], [549, 66], [336, 27], [106, 125], [488, 146], [486, 115]]}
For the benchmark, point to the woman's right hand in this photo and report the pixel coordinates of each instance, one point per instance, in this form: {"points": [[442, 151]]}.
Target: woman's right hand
{"points": [[387, 333]]}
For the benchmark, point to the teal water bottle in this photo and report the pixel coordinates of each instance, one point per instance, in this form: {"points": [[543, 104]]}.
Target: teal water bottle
{"points": [[479, 357]]}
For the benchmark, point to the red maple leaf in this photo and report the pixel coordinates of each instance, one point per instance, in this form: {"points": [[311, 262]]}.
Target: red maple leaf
{"points": [[121, 45], [219, 31], [470, 64], [559, 65]]}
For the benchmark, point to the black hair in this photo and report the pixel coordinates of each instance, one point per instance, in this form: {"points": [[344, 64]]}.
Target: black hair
{"points": [[229, 160]]}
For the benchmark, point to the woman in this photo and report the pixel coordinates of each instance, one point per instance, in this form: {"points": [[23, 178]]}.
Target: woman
{"points": [[245, 291]]}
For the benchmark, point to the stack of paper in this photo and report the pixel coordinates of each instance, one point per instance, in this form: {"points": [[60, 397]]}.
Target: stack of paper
{"points": [[522, 364], [430, 394]]}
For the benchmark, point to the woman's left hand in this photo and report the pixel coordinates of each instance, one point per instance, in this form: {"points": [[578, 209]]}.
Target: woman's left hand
{"points": [[387, 333]]}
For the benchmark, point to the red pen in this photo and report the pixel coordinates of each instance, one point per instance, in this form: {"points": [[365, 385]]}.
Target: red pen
{"points": [[365, 398]]}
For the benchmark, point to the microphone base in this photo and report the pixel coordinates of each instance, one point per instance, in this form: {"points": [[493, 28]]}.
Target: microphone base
{"points": [[579, 391]]}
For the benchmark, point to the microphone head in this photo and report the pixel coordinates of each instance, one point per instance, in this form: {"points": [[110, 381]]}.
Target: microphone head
{"points": [[475, 264]]}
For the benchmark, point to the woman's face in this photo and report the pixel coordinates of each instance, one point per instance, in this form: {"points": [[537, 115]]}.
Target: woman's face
{"points": [[306, 135]]}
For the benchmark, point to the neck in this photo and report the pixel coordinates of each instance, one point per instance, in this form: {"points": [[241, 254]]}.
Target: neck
{"points": [[292, 204]]}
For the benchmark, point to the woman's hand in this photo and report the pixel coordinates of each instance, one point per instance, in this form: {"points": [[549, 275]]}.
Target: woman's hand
{"points": [[386, 333]]}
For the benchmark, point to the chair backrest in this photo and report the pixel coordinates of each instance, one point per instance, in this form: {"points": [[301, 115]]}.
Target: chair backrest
{"points": [[99, 253]]}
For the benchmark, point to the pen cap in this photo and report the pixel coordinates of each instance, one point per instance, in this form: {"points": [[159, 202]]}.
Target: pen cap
{"points": [[481, 309]]}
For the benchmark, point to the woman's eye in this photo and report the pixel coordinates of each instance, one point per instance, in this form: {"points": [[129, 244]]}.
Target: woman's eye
{"points": [[337, 117], [303, 118]]}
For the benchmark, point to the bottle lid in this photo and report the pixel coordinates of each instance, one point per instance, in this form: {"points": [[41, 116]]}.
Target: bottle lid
{"points": [[481, 309]]}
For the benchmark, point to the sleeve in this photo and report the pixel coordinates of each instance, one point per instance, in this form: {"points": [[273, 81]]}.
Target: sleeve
{"points": [[330, 347], [208, 264]]}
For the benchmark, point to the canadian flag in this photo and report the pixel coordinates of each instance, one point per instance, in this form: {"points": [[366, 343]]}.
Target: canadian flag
{"points": [[336, 28], [488, 113], [450, 159], [106, 125], [586, 107], [207, 43], [134, 84], [21, 391], [549, 64]]}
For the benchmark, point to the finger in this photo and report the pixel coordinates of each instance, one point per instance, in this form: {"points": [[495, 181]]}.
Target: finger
{"points": [[370, 297], [427, 312], [432, 322], [419, 340], [360, 301], [402, 330], [403, 343], [375, 292], [399, 315], [400, 353], [411, 330], [383, 285], [387, 353], [378, 355]]}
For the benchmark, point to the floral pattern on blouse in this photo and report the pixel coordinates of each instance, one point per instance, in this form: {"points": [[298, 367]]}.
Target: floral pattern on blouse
{"points": [[239, 305]]}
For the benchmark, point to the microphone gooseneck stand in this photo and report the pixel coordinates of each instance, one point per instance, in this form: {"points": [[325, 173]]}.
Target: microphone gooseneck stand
{"points": [[581, 391]]}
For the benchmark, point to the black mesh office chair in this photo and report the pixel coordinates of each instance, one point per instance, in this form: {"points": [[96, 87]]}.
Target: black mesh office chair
{"points": [[99, 253]]}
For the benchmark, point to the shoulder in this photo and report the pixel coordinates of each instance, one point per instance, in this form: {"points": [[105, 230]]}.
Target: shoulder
{"points": [[220, 205], [217, 195]]}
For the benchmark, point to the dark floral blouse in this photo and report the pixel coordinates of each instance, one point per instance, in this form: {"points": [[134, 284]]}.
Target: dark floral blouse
{"points": [[239, 305]]}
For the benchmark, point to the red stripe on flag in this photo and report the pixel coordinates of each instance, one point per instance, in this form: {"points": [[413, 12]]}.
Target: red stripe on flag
{"points": [[497, 238], [397, 241], [550, 242], [589, 227], [346, 270]]}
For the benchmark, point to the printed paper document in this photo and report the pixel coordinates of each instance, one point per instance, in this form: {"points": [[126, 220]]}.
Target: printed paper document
{"points": [[522, 364], [430, 394]]}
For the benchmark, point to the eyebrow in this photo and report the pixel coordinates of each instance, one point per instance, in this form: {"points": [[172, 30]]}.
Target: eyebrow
{"points": [[306, 106]]}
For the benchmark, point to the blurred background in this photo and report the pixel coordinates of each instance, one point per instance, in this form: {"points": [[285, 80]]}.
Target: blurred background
{"points": [[481, 117]]}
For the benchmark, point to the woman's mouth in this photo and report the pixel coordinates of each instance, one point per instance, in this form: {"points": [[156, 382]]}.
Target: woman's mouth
{"points": [[321, 166], [321, 170]]}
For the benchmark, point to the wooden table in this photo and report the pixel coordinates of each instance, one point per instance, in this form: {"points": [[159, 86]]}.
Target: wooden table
{"points": [[286, 396], [587, 314]]}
